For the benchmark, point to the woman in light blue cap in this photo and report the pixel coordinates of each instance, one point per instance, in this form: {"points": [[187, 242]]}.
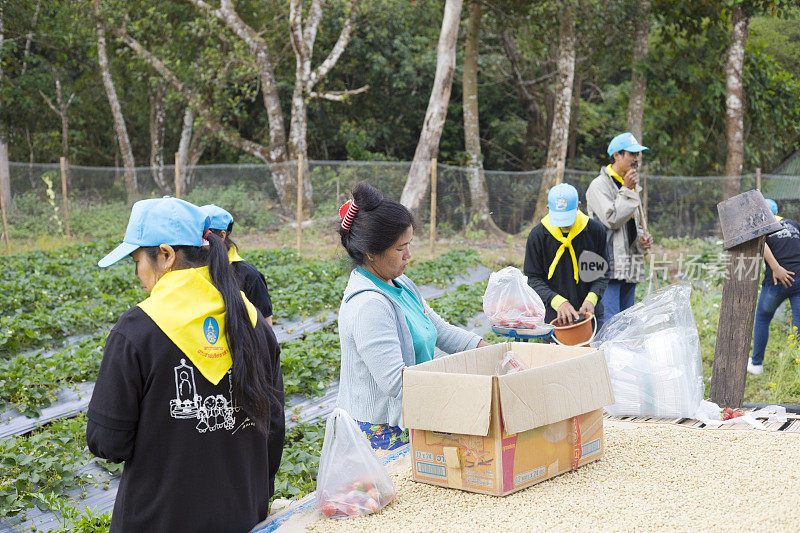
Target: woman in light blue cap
{"points": [[187, 383], [251, 281]]}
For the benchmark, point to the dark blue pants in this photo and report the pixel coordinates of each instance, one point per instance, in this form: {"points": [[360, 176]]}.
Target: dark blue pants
{"points": [[768, 301], [619, 296]]}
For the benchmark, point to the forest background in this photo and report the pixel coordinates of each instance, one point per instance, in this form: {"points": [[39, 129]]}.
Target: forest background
{"points": [[124, 84]]}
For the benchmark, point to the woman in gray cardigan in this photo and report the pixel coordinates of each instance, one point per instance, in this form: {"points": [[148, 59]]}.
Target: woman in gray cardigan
{"points": [[384, 322]]}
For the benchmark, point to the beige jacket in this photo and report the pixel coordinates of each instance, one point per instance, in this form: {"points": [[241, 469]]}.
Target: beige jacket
{"points": [[614, 207]]}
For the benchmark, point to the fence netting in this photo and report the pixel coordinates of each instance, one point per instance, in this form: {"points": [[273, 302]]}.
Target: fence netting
{"points": [[676, 206]]}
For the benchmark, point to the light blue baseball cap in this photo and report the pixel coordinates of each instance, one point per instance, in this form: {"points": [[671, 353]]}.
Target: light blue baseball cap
{"points": [[625, 141], [218, 217], [160, 221], [773, 206], [562, 202]]}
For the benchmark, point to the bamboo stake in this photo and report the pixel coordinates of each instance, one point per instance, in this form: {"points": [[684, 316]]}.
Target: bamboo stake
{"points": [[433, 206], [758, 179], [3, 210], [299, 200], [64, 202], [177, 175]]}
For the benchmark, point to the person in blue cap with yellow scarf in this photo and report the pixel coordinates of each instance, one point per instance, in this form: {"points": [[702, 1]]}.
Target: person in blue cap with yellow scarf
{"points": [[613, 198], [251, 281], [187, 383], [782, 258], [555, 246]]}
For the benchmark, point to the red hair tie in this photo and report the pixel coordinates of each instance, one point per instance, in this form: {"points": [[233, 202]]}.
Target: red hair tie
{"points": [[206, 234], [348, 213]]}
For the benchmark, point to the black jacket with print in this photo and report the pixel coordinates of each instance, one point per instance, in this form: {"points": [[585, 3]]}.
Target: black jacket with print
{"points": [[193, 459]]}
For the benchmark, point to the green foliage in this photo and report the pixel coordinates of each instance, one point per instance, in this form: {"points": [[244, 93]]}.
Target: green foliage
{"points": [[459, 305], [297, 475], [443, 269], [50, 295], [30, 380], [310, 364], [249, 207], [74, 520], [47, 461]]}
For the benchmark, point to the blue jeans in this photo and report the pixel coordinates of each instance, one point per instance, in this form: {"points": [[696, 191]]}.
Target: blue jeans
{"points": [[619, 296], [768, 301]]}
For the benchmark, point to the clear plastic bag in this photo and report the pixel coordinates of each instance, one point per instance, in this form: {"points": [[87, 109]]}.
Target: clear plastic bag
{"points": [[509, 302], [653, 355], [508, 365], [351, 480]]}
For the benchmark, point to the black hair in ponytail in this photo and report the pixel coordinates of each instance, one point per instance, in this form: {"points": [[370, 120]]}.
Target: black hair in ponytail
{"points": [[377, 225], [228, 241], [250, 372]]}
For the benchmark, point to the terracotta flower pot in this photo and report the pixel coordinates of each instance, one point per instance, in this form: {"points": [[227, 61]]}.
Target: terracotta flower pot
{"points": [[576, 334]]}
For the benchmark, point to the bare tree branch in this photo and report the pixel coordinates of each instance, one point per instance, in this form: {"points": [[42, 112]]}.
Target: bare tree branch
{"points": [[341, 43], [266, 71], [50, 104], [229, 135], [338, 96], [296, 29]]}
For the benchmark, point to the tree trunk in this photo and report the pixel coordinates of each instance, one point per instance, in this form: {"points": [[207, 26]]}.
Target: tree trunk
{"points": [[183, 148], [734, 102], [157, 131], [5, 178], [480, 215], [559, 134], [62, 111], [534, 130], [298, 145], [572, 150], [29, 37], [636, 101], [428, 145], [131, 186]]}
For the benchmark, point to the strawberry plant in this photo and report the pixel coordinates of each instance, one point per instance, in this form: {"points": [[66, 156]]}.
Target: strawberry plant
{"points": [[460, 304], [47, 460], [298, 471], [443, 269], [31, 380], [311, 363]]}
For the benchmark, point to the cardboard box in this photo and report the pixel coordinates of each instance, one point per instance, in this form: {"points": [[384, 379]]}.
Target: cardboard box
{"points": [[475, 431]]}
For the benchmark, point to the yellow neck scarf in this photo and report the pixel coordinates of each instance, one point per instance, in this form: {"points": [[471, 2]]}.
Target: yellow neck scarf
{"points": [[189, 309], [614, 175], [566, 242], [778, 218], [233, 255]]}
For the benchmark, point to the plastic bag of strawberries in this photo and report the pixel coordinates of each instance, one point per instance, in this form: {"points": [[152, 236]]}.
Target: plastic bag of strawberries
{"points": [[351, 480]]}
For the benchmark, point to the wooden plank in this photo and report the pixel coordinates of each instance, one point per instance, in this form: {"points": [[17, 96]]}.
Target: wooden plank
{"points": [[736, 317]]}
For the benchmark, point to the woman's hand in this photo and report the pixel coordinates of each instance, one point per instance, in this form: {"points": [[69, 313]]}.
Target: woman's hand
{"points": [[482, 343]]}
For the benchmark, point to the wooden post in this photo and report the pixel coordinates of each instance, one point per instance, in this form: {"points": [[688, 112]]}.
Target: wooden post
{"points": [[3, 211], [64, 202], [736, 317], [299, 200], [644, 189], [177, 175], [758, 179], [433, 205]]}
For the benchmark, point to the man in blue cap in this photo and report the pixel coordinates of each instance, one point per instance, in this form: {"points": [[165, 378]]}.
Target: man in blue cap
{"points": [[565, 259], [782, 255], [613, 199]]}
